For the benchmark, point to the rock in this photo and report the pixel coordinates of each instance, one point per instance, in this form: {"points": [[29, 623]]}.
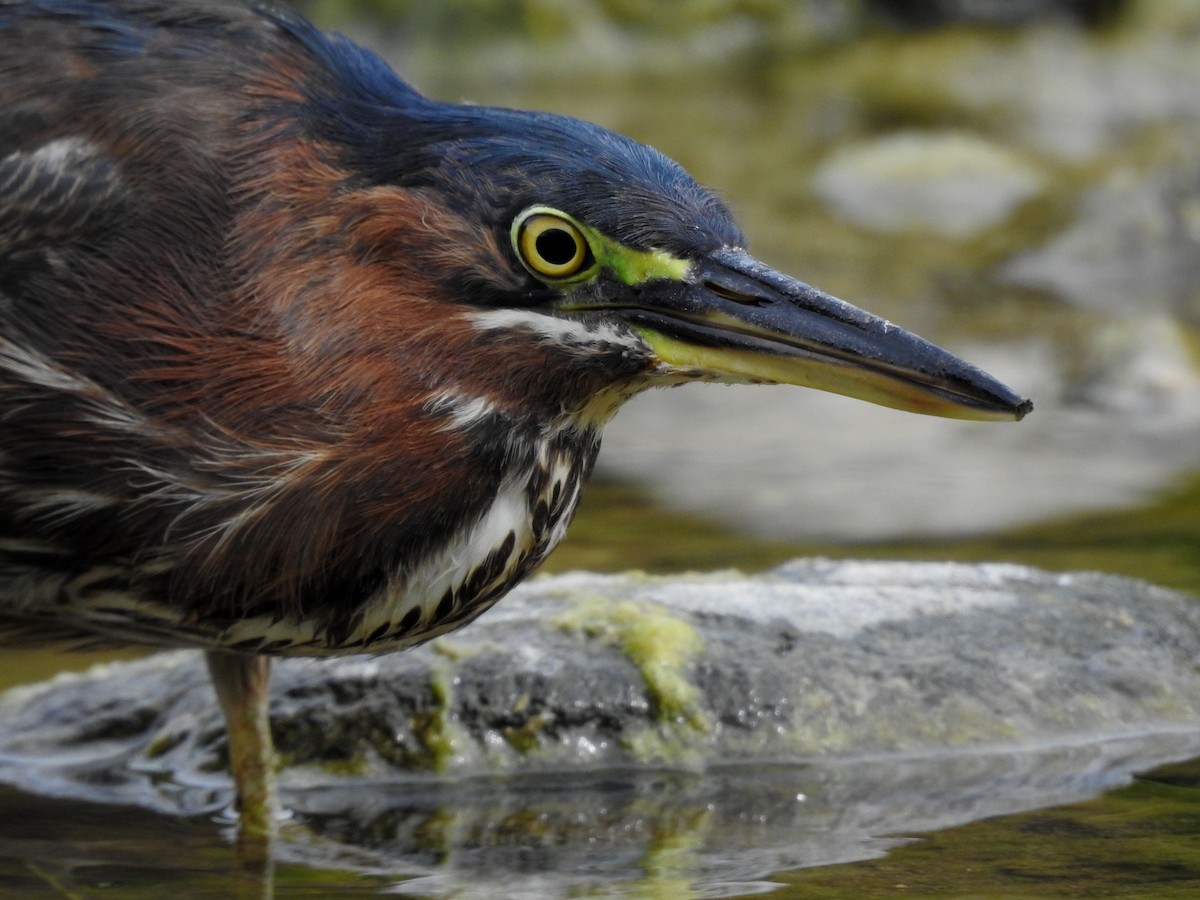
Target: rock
{"points": [[1059, 92], [1133, 250], [950, 183], [1142, 365], [814, 659], [763, 722]]}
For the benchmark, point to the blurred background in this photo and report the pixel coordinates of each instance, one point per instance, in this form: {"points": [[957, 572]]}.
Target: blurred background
{"points": [[1017, 180]]}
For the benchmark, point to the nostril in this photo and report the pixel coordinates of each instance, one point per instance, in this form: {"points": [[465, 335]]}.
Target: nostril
{"points": [[736, 296]]}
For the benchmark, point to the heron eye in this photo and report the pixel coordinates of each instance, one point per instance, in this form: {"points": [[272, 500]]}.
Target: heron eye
{"points": [[551, 246]]}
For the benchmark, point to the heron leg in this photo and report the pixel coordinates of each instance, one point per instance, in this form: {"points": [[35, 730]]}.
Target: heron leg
{"points": [[242, 682]]}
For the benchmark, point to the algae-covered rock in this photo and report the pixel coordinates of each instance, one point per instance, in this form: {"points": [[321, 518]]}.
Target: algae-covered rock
{"points": [[644, 735], [814, 659]]}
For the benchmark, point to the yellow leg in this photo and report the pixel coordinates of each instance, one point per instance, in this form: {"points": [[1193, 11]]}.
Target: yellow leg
{"points": [[242, 682]]}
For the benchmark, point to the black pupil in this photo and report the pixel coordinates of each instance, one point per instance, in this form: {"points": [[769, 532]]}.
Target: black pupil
{"points": [[557, 247]]}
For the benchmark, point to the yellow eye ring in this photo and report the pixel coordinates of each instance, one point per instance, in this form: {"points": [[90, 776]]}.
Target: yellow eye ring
{"points": [[550, 245]]}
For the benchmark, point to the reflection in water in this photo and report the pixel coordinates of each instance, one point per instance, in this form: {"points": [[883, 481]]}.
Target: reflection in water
{"points": [[670, 833], [253, 875], [721, 832]]}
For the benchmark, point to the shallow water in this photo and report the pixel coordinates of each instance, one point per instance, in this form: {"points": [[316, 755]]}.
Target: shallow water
{"points": [[757, 123]]}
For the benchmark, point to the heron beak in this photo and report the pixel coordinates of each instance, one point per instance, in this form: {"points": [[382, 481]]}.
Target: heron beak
{"points": [[735, 319]]}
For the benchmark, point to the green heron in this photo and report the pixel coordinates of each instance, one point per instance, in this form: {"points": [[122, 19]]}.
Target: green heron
{"points": [[294, 360]]}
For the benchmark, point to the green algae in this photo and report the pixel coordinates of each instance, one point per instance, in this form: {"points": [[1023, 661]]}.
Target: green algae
{"points": [[433, 726], [164, 744], [674, 853], [352, 766], [526, 738], [662, 647]]}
